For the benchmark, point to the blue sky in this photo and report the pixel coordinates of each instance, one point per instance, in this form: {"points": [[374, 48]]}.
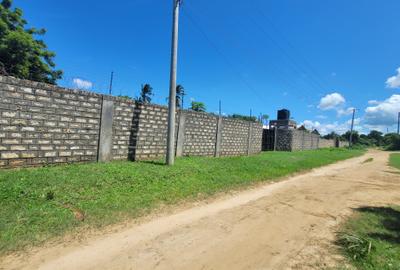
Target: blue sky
{"points": [[317, 58]]}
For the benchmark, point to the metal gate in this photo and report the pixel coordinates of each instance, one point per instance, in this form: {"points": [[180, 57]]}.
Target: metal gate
{"points": [[268, 140]]}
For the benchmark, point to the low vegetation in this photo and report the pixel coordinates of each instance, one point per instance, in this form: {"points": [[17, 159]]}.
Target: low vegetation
{"points": [[40, 203], [371, 238], [395, 160]]}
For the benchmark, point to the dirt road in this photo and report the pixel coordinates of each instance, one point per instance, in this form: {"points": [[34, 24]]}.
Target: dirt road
{"points": [[285, 225]]}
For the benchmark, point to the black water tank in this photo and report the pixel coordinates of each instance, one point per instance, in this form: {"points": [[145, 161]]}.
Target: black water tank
{"points": [[283, 114]]}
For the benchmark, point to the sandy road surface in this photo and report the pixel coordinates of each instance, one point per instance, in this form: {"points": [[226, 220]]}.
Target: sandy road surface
{"points": [[285, 225]]}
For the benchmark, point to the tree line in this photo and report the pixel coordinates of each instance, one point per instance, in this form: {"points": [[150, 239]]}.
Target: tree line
{"points": [[389, 141]]}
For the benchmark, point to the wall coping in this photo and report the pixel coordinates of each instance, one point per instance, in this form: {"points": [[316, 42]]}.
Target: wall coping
{"points": [[64, 90]]}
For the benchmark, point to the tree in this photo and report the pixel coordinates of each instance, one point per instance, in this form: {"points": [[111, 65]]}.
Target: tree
{"points": [[145, 93], [355, 137], [198, 106], [331, 136], [392, 141], [244, 117], [376, 137], [21, 54], [180, 93]]}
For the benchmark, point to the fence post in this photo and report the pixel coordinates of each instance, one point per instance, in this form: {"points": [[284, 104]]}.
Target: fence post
{"points": [[104, 152]]}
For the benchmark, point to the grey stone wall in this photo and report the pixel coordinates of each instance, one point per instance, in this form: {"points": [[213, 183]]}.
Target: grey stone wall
{"points": [[46, 124]]}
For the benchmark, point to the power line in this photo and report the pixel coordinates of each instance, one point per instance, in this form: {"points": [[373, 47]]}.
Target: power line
{"points": [[295, 67], [289, 83], [317, 76], [227, 61]]}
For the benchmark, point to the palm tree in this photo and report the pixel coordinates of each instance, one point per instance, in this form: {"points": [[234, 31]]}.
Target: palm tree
{"points": [[146, 93], [180, 93], [198, 106]]}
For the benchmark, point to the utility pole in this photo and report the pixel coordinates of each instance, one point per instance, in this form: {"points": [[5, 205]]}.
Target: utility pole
{"points": [[352, 127], [172, 85], [220, 108], [111, 82], [398, 124]]}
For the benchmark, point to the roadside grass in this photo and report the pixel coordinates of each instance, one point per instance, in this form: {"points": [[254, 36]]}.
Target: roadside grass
{"points": [[38, 204], [370, 239], [395, 160]]}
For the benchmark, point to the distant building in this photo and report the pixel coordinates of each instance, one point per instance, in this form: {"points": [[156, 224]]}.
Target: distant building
{"points": [[284, 121]]}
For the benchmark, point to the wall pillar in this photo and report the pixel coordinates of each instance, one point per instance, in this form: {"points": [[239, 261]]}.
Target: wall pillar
{"points": [[249, 138], [181, 134], [218, 138], [106, 131]]}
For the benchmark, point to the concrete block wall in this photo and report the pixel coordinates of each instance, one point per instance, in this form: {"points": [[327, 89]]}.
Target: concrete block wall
{"points": [[256, 138], [140, 131], [46, 124], [200, 134], [284, 140], [323, 143], [235, 137], [297, 140]]}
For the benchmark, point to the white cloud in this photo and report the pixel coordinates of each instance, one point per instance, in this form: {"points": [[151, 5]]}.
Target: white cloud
{"points": [[331, 101], [373, 102], [357, 121], [394, 81], [384, 113], [321, 116], [310, 124], [343, 112], [82, 84], [326, 128]]}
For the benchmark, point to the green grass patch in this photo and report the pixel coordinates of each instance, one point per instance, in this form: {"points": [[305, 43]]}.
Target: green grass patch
{"points": [[395, 160], [371, 238], [40, 203]]}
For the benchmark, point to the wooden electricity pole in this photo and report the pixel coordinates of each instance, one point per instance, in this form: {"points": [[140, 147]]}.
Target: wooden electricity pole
{"points": [[172, 85], [111, 83], [352, 128], [398, 124]]}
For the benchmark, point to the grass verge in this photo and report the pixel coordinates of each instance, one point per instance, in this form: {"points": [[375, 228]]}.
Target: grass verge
{"points": [[395, 160], [40, 203], [371, 238]]}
